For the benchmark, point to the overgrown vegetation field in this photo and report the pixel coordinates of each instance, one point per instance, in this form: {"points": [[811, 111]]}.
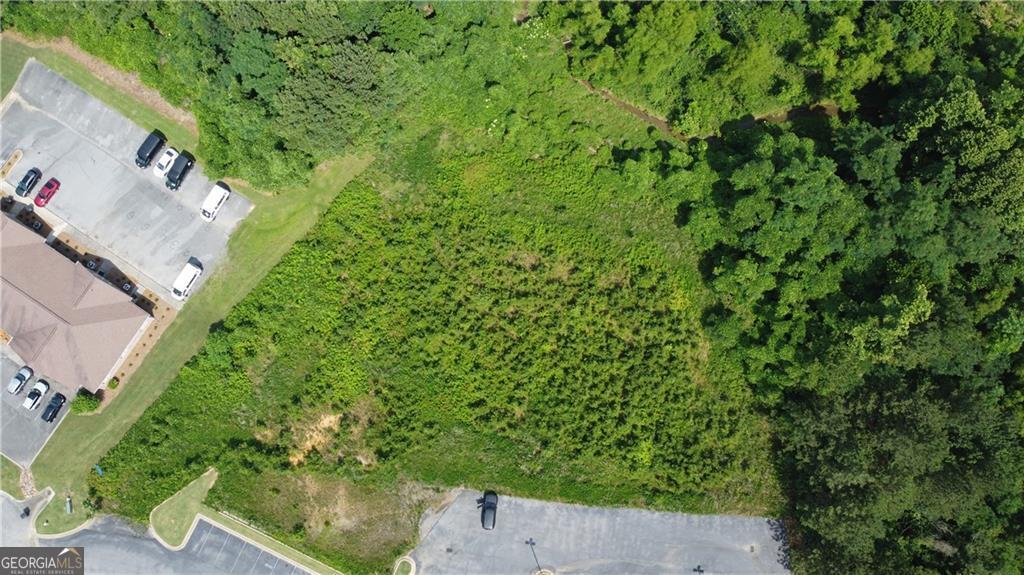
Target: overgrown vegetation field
{"points": [[533, 291]]}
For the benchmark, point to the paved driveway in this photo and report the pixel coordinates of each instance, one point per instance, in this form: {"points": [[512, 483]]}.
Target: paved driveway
{"points": [[22, 432], [596, 541], [121, 213], [113, 547]]}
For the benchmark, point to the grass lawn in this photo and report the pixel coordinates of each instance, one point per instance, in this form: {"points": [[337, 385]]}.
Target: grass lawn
{"points": [[276, 222], [267, 541], [10, 478], [172, 518], [403, 568], [13, 55]]}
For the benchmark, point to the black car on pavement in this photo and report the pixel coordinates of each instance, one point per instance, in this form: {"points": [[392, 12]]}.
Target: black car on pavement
{"points": [[53, 408], [150, 146], [28, 182], [488, 505], [181, 166]]}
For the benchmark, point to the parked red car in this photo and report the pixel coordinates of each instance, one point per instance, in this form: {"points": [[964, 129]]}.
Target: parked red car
{"points": [[46, 194]]}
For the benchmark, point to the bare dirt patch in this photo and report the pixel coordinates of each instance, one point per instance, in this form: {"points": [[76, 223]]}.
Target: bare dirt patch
{"points": [[660, 123], [128, 82], [316, 436], [368, 523]]}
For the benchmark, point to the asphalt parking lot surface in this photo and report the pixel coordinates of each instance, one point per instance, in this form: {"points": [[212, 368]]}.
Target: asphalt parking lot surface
{"points": [[120, 212], [596, 541], [113, 547], [22, 432]]}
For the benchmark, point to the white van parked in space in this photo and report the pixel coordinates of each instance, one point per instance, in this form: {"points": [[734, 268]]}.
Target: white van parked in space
{"points": [[214, 200], [187, 279]]}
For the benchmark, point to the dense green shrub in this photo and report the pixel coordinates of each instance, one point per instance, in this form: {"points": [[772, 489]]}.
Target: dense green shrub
{"points": [[85, 402]]}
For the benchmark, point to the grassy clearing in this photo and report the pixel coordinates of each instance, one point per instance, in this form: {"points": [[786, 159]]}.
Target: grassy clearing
{"points": [[172, 519], [267, 541], [14, 54], [12, 58], [10, 478], [276, 222]]}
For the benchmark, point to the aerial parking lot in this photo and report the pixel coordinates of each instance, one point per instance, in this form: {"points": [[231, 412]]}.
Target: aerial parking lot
{"points": [[599, 541], [23, 433], [114, 547], [120, 212]]}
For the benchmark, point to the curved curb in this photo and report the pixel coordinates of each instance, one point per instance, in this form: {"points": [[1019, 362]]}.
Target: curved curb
{"points": [[88, 523], [49, 500], [151, 531], [405, 559]]}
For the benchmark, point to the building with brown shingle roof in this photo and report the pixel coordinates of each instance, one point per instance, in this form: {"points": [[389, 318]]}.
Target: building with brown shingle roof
{"points": [[63, 321]]}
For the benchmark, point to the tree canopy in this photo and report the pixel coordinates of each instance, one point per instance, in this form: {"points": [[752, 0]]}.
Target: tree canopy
{"points": [[808, 303]]}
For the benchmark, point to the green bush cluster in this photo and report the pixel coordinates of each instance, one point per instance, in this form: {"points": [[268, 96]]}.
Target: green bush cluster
{"points": [[85, 402]]}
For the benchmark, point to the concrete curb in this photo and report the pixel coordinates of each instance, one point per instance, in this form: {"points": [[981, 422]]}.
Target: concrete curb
{"points": [[405, 559], [188, 534], [49, 500], [213, 522]]}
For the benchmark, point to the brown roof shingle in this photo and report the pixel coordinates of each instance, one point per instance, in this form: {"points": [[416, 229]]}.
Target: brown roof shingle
{"points": [[65, 322]]}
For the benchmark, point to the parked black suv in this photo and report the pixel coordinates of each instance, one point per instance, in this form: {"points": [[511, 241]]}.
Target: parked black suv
{"points": [[28, 182], [53, 408], [488, 505], [147, 151], [182, 164]]}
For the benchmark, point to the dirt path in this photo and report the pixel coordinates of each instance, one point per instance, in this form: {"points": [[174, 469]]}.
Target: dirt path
{"points": [[128, 82], [28, 483], [659, 123], [826, 108]]}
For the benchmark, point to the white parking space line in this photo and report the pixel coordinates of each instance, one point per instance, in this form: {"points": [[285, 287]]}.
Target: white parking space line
{"points": [[203, 542], [257, 562], [221, 550], [237, 555]]}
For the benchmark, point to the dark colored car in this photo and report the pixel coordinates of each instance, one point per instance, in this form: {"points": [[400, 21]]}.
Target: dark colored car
{"points": [[53, 408], [28, 182], [46, 194], [150, 146], [488, 505], [182, 164]]}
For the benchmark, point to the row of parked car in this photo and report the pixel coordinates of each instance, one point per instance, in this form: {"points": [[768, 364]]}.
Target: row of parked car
{"points": [[35, 395], [29, 181], [173, 166]]}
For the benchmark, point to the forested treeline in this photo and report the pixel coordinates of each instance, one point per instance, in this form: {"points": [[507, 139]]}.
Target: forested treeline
{"points": [[703, 64], [533, 291]]}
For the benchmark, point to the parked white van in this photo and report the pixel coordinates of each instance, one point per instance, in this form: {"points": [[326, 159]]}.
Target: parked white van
{"points": [[214, 200], [187, 279]]}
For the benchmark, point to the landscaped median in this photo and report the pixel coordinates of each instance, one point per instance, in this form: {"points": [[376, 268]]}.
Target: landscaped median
{"points": [[172, 520]]}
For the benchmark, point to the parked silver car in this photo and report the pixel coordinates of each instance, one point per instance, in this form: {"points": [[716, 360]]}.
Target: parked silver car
{"points": [[32, 401], [18, 381]]}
